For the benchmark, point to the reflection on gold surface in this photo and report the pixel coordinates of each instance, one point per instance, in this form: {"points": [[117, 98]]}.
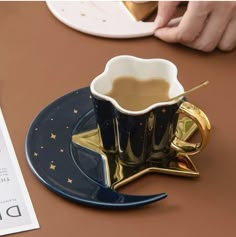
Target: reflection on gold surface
{"points": [[118, 174], [140, 11], [203, 124]]}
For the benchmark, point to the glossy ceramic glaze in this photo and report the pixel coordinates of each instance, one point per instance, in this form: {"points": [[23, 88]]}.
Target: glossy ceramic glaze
{"points": [[49, 152], [100, 18]]}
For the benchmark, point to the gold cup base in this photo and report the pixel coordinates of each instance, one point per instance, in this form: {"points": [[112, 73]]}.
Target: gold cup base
{"points": [[118, 174]]}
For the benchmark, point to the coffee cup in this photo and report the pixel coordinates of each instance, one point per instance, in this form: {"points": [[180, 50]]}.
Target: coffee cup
{"points": [[136, 118]]}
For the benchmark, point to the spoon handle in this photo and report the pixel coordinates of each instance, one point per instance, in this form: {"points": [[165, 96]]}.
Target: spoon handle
{"points": [[191, 90]]}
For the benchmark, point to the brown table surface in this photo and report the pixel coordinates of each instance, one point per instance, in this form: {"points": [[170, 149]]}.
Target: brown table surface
{"points": [[41, 59]]}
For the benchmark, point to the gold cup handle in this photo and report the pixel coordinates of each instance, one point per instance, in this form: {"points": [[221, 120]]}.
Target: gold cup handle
{"points": [[204, 126]]}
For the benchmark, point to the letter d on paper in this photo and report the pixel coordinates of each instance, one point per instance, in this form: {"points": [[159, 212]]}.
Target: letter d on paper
{"points": [[13, 211]]}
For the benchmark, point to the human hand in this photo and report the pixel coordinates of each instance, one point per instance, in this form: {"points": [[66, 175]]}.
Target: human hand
{"points": [[205, 25]]}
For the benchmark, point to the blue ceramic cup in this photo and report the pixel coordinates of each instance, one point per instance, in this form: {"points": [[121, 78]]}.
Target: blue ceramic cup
{"points": [[142, 136]]}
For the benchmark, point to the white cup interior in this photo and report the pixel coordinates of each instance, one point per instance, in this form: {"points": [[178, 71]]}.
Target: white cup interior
{"points": [[141, 69]]}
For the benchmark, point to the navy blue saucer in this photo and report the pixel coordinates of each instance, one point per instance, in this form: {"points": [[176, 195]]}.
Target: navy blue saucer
{"points": [[49, 152]]}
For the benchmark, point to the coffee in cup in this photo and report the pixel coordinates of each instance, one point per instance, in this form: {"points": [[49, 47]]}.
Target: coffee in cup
{"points": [[134, 94]]}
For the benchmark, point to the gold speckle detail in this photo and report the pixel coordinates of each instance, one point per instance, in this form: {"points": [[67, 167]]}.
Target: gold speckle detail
{"points": [[52, 166], [163, 110], [53, 136], [69, 180], [75, 111], [35, 154]]}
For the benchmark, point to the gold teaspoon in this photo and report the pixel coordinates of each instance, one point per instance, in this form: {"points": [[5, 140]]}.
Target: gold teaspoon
{"points": [[189, 91]]}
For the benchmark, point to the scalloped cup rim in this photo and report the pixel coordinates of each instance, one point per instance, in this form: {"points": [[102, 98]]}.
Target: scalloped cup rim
{"points": [[116, 104]]}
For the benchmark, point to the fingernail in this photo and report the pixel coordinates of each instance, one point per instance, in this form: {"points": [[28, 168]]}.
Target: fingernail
{"points": [[158, 21]]}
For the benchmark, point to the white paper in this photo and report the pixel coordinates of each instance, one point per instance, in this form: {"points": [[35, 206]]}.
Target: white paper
{"points": [[16, 209]]}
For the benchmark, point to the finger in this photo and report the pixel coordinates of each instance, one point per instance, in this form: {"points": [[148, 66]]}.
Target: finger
{"points": [[214, 29], [190, 26], [228, 41], [166, 11], [168, 33], [212, 33]]}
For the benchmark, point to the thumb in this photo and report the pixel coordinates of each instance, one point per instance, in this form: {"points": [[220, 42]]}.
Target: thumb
{"points": [[166, 10]]}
